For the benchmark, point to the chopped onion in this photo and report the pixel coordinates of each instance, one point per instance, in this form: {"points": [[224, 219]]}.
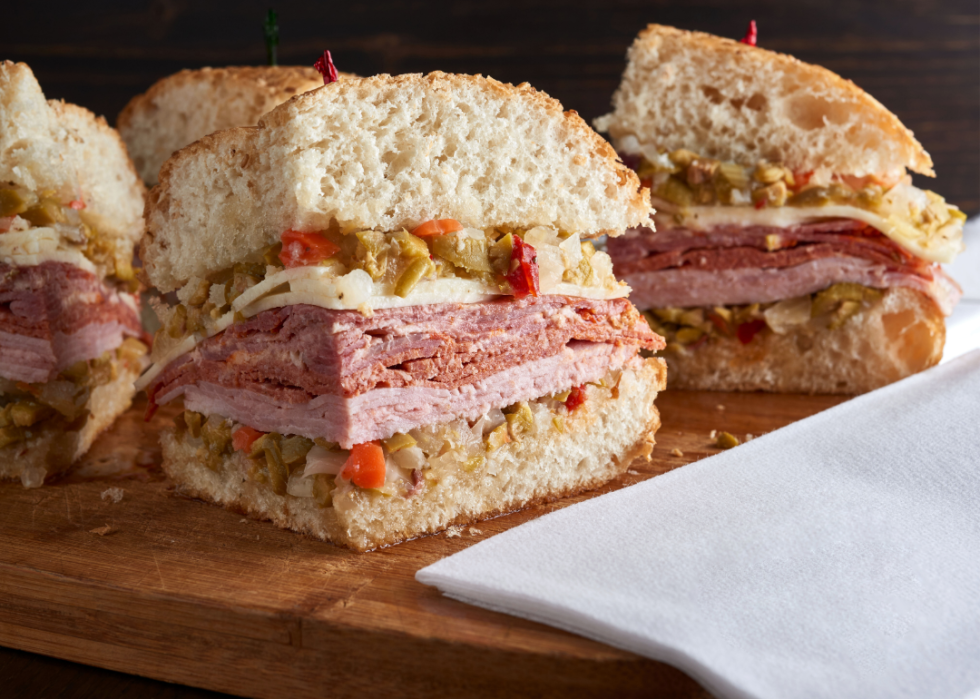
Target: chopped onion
{"points": [[788, 314], [320, 460]]}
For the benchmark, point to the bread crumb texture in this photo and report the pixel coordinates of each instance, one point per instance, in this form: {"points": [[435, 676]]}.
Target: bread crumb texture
{"points": [[49, 145], [602, 438], [734, 102], [181, 108], [898, 336], [383, 153]]}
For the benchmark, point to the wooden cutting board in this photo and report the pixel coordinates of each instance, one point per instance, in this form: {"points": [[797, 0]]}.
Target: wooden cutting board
{"points": [[175, 589]]}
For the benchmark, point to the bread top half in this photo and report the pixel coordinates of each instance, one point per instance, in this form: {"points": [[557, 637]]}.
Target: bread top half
{"points": [[50, 146], [726, 100], [181, 108], [383, 153]]}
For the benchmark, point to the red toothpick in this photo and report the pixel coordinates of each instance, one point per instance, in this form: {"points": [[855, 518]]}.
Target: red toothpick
{"points": [[325, 65], [751, 35]]}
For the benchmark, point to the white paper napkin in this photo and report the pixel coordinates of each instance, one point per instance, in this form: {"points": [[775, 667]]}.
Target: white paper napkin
{"points": [[837, 557]]}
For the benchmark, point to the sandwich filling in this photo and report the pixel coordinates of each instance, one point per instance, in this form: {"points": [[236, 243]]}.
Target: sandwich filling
{"points": [[733, 242], [69, 317], [402, 465], [456, 331]]}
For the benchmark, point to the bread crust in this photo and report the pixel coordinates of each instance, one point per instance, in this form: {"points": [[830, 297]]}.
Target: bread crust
{"points": [[898, 336], [612, 433], [181, 108], [368, 185], [826, 123]]}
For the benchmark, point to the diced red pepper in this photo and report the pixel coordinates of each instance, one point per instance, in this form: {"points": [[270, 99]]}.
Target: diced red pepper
{"points": [[523, 275], [761, 204], [575, 398], [746, 331], [244, 438], [324, 64], [77, 204], [801, 179], [752, 35], [442, 226], [723, 327], [300, 249], [365, 467]]}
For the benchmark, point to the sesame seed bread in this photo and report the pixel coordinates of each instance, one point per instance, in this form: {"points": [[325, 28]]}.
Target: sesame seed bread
{"points": [[52, 451], [601, 439], [734, 102], [898, 336], [383, 153], [183, 107], [49, 145]]}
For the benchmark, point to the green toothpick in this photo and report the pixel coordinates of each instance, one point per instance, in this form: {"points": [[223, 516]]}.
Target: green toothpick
{"points": [[271, 28]]}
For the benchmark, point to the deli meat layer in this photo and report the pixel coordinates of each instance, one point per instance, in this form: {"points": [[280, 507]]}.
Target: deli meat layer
{"points": [[402, 367], [55, 314], [759, 264]]}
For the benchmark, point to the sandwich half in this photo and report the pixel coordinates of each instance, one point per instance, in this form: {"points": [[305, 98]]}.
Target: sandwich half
{"points": [[183, 107], [792, 252], [391, 318], [70, 212]]}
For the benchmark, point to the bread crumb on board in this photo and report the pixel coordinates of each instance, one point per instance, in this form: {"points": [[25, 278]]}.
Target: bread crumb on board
{"points": [[676, 452], [474, 531], [455, 530], [113, 495], [101, 531]]}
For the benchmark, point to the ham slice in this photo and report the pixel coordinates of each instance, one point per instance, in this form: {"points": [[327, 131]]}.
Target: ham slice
{"points": [[401, 366], [55, 314], [379, 413], [730, 265]]}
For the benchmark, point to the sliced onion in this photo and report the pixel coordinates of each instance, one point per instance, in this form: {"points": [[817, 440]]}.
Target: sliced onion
{"points": [[320, 460]]}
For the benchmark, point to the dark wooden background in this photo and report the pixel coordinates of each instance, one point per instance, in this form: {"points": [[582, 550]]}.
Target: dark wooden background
{"points": [[920, 59]]}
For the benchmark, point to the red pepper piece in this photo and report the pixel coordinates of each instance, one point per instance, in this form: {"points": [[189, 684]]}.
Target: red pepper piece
{"points": [[752, 35], [324, 64], [244, 438], [575, 398], [300, 249], [437, 227], [365, 466], [523, 275], [77, 204], [746, 331]]}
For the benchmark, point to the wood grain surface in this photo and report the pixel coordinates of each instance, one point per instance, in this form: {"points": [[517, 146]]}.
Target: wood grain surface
{"points": [[175, 589]]}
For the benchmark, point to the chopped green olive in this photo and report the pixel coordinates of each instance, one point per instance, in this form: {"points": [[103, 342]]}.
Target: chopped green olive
{"points": [[46, 212], [520, 420], [12, 203], [295, 448], [418, 270], [28, 413], [399, 441], [177, 322], [466, 251], [193, 421], [497, 438], [10, 435], [500, 254], [726, 440], [323, 487], [278, 473]]}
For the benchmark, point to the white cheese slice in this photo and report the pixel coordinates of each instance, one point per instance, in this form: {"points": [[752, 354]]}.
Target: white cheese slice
{"points": [[38, 245]]}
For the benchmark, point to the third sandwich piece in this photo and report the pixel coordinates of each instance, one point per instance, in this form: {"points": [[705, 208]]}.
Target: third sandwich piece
{"points": [[391, 319], [792, 252], [181, 108]]}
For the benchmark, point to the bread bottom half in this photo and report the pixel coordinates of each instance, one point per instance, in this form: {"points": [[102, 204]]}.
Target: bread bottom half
{"points": [[598, 442], [898, 336], [52, 450]]}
